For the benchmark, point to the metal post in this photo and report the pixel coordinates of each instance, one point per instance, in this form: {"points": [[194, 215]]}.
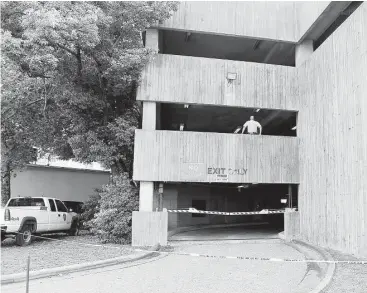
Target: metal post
{"points": [[160, 197], [160, 202], [27, 279], [225, 209]]}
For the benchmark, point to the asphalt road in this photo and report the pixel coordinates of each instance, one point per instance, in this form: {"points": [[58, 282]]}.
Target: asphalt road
{"points": [[176, 273]]}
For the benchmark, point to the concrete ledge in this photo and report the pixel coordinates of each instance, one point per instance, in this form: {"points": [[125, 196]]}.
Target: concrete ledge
{"points": [[21, 277], [199, 227]]}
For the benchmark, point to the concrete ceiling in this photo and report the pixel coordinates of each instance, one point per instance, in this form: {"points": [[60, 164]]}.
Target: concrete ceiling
{"points": [[227, 47]]}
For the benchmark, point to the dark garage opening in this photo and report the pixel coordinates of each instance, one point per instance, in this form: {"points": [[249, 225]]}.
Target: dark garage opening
{"points": [[235, 197], [219, 119]]}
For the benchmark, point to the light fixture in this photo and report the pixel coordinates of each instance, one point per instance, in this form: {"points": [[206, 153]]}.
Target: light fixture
{"points": [[283, 200], [186, 106], [231, 76], [182, 126], [257, 110], [294, 128]]}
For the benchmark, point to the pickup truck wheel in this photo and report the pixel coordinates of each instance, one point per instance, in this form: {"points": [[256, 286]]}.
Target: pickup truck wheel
{"points": [[24, 237], [74, 229]]}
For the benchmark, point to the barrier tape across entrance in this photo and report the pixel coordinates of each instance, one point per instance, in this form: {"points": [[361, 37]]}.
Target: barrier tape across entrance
{"points": [[262, 212], [271, 259]]}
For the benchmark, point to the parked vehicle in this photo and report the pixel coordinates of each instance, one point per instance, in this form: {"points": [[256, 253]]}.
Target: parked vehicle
{"points": [[24, 217]]}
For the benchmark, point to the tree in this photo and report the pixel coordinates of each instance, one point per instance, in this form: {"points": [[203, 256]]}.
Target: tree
{"points": [[77, 67], [24, 122]]}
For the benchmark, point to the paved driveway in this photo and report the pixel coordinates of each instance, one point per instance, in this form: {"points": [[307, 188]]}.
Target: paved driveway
{"points": [[177, 273], [229, 233]]}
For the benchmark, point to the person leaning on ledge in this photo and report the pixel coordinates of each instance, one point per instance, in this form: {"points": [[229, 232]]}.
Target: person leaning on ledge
{"points": [[252, 126]]}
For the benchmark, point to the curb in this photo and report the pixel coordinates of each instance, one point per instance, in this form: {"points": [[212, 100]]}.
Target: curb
{"points": [[21, 277], [330, 268]]}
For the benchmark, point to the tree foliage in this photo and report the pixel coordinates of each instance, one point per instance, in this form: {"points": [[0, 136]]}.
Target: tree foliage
{"points": [[70, 71]]}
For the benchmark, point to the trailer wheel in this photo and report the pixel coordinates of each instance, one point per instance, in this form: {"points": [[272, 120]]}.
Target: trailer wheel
{"points": [[24, 237]]}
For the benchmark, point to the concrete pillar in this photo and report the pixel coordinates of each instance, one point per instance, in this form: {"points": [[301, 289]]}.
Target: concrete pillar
{"points": [[151, 110], [149, 116], [152, 39], [158, 123], [146, 196], [303, 51]]}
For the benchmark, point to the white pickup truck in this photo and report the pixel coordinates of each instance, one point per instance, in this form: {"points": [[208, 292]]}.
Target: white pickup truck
{"points": [[24, 217]]}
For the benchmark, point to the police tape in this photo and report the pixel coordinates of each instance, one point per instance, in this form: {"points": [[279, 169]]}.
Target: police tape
{"points": [[262, 212], [270, 259]]}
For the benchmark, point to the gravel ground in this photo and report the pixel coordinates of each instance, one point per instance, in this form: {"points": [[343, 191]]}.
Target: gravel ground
{"points": [[50, 253], [348, 277]]}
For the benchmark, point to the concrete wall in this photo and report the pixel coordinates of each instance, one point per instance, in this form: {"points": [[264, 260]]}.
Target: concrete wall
{"points": [[204, 81], [180, 156], [332, 127], [149, 228], [63, 183], [286, 21]]}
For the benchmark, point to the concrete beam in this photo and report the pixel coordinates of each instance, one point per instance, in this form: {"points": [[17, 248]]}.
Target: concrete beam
{"points": [[330, 14]]}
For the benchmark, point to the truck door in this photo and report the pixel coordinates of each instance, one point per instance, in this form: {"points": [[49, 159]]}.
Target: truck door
{"points": [[64, 224], [53, 224]]}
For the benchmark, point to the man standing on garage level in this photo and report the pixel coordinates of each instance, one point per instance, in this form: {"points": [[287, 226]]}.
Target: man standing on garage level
{"points": [[252, 126]]}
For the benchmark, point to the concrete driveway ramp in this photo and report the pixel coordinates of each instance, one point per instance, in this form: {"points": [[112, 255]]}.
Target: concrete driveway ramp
{"points": [[227, 233]]}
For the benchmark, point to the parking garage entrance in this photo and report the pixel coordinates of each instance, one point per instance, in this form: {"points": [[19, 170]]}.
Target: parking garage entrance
{"points": [[228, 204]]}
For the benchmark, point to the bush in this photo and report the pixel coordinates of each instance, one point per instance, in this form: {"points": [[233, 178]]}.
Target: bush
{"points": [[90, 209], [112, 223]]}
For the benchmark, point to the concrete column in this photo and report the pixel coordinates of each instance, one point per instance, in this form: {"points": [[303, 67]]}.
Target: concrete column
{"points": [[146, 196], [151, 110], [152, 39], [149, 115], [303, 51]]}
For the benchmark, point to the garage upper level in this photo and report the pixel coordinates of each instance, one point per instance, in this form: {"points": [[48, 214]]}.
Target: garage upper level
{"points": [[284, 21]]}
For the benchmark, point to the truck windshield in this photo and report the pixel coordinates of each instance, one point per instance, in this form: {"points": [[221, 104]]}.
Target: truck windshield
{"points": [[26, 202]]}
